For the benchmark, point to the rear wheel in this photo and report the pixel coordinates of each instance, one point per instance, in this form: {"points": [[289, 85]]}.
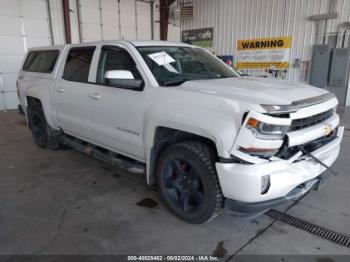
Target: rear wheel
{"points": [[44, 136], [188, 182]]}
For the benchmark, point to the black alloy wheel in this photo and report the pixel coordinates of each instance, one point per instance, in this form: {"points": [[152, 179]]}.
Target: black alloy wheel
{"points": [[188, 182], [183, 186]]}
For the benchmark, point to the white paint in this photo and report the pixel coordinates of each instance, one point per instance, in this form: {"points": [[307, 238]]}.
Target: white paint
{"points": [[313, 133], [243, 182], [119, 74], [161, 58]]}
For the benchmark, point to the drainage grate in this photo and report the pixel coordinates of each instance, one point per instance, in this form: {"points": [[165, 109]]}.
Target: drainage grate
{"points": [[325, 233]]}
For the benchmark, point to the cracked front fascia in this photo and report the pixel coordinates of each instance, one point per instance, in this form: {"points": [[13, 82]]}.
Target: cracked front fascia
{"points": [[246, 138]]}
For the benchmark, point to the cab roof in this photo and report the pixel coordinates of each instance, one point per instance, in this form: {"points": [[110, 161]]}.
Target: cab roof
{"points": [[157, 43], [137, 43]]}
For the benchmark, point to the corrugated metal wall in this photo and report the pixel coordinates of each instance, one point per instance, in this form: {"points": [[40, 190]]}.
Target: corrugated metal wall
{"points": [[247, 19]]}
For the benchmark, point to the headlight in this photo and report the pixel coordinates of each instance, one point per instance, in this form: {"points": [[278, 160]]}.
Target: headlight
{"points": [[266, 131]]}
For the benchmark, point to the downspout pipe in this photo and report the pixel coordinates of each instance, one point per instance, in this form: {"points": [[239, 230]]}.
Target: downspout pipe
{"points": [[66, 19], [164, 18]]}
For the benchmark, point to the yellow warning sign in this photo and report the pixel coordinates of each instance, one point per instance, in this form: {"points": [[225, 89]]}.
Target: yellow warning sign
{"points": [[265, 43], [264, 53]]}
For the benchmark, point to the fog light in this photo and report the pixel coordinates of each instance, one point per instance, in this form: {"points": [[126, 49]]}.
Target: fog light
{"points": [[265, 184]]}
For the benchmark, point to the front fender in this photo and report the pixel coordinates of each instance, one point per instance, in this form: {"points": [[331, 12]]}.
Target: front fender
{"points": [[213, 125], [218, 127]]}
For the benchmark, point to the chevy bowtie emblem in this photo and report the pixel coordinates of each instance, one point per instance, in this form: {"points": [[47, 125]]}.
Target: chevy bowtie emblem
{"points": [[327, 129]]}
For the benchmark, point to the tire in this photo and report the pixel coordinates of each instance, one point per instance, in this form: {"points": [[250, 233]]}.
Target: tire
{"points": [[44, 136], [188, 182]]}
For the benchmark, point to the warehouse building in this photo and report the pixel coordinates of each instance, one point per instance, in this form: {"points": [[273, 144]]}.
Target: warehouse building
{"points": [[124, 137]]}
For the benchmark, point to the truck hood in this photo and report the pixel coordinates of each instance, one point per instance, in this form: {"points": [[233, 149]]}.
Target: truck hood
{"points": [[254, 90]]}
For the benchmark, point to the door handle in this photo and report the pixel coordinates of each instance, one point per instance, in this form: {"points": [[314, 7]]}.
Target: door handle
{"points": [[60, 89], [95, 96]]}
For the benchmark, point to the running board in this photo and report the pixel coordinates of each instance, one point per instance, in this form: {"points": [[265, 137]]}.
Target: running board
{"points": [[127, 164]]}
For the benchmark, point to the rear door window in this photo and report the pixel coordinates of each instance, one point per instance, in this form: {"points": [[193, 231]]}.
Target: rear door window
{"points": [[78, 63], [43, 61]]}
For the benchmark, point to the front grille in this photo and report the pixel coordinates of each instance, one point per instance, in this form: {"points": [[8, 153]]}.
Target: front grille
{"points": [[301, 123], [287, 152]]}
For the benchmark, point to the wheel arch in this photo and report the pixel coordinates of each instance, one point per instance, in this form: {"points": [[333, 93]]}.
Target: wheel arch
{"points": [[166, 136]]}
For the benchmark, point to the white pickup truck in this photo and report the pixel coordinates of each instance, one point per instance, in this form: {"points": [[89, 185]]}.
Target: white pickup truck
{"points": [[209, 137]]}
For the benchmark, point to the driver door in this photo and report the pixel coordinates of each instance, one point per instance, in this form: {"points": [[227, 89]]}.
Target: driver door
{"points": [[116, 112]]}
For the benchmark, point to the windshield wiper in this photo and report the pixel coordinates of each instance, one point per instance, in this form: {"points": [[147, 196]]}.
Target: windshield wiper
{"points": [[176, 82]]}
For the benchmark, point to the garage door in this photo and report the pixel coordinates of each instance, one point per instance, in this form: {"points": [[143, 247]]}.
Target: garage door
{"points": [[24, 24], [110, 19]]}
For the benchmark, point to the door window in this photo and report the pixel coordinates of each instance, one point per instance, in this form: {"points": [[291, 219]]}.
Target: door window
{"points": [[114, 58], [78, 63]]}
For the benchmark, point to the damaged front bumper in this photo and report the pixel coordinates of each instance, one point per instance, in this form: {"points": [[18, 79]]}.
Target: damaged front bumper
{"points": [[289, 179], [240, 208]]}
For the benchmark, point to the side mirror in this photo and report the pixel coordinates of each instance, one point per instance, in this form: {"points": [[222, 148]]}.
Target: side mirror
{"points": [[123, 79], [119, 74]]}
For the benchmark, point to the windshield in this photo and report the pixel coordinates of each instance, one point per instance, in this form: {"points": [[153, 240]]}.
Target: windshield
{"points": [[172, 66]]}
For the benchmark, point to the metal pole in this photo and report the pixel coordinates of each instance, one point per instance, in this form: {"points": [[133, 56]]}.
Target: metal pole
{"points": [[152, 19], [325, 31], [136, 31], [344, 37], [50, 22], [317, 25], [101, 21], [119, 21], [67, 29], [79, 21]]}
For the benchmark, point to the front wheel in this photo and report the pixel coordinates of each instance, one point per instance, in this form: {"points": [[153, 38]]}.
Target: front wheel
{"points": [[188, 182]]}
